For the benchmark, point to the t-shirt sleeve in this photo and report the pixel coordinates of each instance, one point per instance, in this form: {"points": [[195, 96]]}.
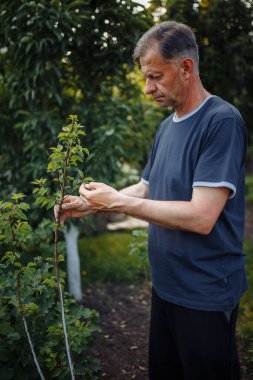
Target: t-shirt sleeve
{"points": [[222, 156], [146, 171], [148, 167]]}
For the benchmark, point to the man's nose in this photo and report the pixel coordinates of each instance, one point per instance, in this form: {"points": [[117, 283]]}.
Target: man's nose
{"points": [[150, 86]]}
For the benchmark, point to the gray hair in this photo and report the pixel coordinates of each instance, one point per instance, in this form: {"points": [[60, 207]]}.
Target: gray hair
{"points": [[175, 40]]}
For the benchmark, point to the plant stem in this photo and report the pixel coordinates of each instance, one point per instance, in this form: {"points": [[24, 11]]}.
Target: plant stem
{"points": [[26, 328], [66, 335], [58, 283], [56, 259], [20, 303]]}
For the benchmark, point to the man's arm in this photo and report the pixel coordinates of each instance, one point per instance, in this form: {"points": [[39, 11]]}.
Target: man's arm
{"points": [[197, 215], [139, 190]]}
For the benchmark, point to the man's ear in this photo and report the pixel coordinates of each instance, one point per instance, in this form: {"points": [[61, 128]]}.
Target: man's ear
{"points": [[187, 67]]}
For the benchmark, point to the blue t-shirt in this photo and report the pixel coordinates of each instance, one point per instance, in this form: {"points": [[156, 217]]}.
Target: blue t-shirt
{"points": [[204, 148]]}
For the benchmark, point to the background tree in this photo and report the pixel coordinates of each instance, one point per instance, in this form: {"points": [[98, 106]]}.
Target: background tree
{"points": [[62, 57], [56, 58]]}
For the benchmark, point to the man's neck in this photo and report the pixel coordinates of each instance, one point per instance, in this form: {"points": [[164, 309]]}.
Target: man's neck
{"points": [[192, 100]]}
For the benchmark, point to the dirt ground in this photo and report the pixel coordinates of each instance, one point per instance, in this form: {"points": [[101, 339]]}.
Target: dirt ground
{"points": [[249, 223], [122, 346]]}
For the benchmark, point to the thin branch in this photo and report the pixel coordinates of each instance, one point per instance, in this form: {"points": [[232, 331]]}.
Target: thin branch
{"points": [[58, 282], [66, 335], [20, 301], [32, 349], [56, 258], [26, 328]]}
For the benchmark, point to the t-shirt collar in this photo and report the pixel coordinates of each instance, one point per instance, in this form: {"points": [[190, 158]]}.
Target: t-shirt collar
{"points": [[178, 119]]}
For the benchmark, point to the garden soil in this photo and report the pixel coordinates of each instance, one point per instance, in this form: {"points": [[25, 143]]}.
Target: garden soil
{"points": [[122, 346]]}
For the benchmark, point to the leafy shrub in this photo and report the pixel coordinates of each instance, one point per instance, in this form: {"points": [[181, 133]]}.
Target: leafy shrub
{"points": [[34, 311], [139, 247], [41, 304], [246, 304], [244, 326], [249, 189], [28, 297]]}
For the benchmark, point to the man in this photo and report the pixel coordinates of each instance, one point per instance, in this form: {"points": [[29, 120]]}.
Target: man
{"points": [[192, 194]]}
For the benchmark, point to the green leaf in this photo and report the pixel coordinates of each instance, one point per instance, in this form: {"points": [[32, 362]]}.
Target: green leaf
{"points": [[88, 180], [51, 203], [7, 205], [39, 200], [85, 150], [25, 39], [16, 197], [45, 202], [50, 282], [24, 206], [21, 215]]}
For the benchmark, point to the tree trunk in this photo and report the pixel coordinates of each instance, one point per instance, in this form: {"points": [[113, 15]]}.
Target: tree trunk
{"points": [[73, 262]]}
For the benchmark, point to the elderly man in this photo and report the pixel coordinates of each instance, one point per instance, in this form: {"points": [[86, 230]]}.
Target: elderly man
{"points": [[192, 194]]}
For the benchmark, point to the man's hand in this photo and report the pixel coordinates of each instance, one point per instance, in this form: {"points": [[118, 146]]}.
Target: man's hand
{"points": [[72, 207], [100, 197]]}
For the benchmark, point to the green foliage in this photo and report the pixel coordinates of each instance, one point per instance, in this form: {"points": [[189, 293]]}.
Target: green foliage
{"points": [[66, 156], [40, 306], [14, 227], [126, 125], [68, 56], [61, 162], [30, 287], [139, 247], [106, 258], [246, 305], [245, 328], [139, 243], [249, 189]]}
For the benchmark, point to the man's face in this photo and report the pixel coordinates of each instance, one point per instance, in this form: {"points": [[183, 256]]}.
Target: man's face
{"points": [[163, 79]]}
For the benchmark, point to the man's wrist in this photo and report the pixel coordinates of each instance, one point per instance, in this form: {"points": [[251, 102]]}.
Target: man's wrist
{"points": [[128, 205]]}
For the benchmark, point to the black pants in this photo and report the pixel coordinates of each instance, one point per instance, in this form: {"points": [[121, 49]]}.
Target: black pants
{"points": [[188, 344]]}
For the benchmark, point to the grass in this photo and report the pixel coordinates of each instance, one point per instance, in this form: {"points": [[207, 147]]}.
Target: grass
{"points": [[245, 318], [246, 304], [249, 188], [106, 258]]}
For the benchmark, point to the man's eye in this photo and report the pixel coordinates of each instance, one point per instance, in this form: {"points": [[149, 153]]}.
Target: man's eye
{"points": [[152, 77]]}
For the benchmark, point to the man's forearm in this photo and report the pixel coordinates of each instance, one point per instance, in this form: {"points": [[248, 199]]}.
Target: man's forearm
{"points": [[138, 190], [176, 215], [197, 215]]}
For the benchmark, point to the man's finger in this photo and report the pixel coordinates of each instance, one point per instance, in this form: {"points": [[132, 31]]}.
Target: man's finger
{"points": [[70, 205], [74, 205], [56, 212], [63, 218], [92, 185]]}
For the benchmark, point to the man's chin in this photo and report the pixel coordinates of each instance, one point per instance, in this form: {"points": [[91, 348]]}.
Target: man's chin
{"points": [[162, 103]]}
